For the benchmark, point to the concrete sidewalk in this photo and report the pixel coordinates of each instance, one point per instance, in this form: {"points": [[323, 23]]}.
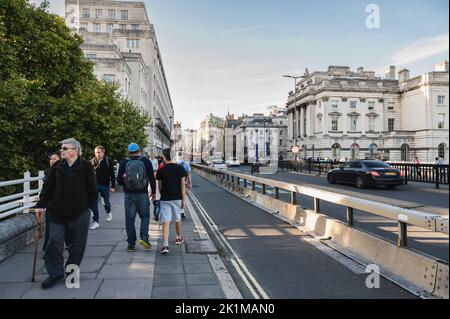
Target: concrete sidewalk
{"points": [[109, 271]]}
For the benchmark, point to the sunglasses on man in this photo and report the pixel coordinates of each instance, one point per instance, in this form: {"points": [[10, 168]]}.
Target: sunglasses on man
{"points": [[67, 148]]}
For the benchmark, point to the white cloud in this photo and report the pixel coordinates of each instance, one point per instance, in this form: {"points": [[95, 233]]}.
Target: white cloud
{"points": [[241, 30], [422, 49]]}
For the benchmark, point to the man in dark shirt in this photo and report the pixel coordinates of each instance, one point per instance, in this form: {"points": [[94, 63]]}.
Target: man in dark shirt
{"points": [[104, 170], [71, 189], [136, 200], [172, 186]]}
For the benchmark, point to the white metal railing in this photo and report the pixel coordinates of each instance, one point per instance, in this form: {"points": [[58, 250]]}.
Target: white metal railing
{"points": [[21, 202], [403, 216]]}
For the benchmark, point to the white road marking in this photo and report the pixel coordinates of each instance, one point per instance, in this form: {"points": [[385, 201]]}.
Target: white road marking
{"points": [[247, 277], [228, 286]]}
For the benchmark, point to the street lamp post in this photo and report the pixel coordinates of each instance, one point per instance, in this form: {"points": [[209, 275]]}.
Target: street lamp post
{"points": [[294, 131]]}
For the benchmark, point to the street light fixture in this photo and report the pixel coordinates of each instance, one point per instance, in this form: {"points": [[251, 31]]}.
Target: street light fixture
{"points": [[295, 100]]}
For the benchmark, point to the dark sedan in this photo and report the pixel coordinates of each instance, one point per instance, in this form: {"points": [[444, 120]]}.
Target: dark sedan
{"points": [[364, 173]]}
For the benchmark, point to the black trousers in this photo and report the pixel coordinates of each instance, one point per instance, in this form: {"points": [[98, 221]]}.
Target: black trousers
{"points": [[76, 233]]}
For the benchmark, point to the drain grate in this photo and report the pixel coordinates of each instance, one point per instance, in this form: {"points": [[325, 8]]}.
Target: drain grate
{"points": [[200, 246]]}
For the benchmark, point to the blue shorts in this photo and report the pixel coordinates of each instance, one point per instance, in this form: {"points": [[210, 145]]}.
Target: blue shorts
{"points": [[170, 209]]}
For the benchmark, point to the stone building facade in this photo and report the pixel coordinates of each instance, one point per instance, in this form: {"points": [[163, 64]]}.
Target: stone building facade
{"points": [[355, 115]]}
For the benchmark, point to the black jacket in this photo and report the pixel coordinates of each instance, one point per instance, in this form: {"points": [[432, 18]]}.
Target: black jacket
{"points": [[104, 171], [69, 196]]}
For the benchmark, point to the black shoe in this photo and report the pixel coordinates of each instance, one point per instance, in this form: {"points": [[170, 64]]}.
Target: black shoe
{"points": [[157, 218], [130, 249], [183, 215], [50, 282]]}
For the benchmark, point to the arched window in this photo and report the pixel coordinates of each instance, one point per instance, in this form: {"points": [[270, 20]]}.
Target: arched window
{"points": [[354, 151], [336, 151], [441, 150], [373, 149], [405, 153]]}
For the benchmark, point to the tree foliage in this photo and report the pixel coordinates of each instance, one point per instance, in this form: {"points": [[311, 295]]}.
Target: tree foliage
{"points": [[48, 92]]}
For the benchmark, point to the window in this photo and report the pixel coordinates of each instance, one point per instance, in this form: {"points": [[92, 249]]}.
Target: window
{"points": [[354, 151], [86, 13], [391, 125], [124, 14], [371, 105], [122, 27], [135, 26], [371, 124], [334, 124], [391, 106], [405, 152], [96, 27], [98, 13], [91, 56], [84, 25], [336, 151], [281, 132], [353, 104], [441, 99], [281, 142], [334, 104], [353, 122], [109, 27], [133, 43], [441, 120], [373, 149], [108, 78], [111, 14], [441, 150]]}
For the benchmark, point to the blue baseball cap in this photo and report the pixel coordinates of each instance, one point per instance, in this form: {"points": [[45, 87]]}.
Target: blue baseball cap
{"points": [[133, 147]]}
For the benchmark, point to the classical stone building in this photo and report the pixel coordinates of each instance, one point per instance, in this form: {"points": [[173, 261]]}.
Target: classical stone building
{"points": [[261, 137], [344, 114], [209, 139], [231, 123], [122, 43]]}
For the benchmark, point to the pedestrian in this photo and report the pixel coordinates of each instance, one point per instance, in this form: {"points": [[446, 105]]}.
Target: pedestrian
{"points": [[135, 173], [416, 166], [104, 170], [187, 168], [55, 157], [172, 185], [154, 161], [70, 188]]}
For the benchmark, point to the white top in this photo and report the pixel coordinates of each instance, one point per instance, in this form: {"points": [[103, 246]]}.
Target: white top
{"points": [[154, 164]]}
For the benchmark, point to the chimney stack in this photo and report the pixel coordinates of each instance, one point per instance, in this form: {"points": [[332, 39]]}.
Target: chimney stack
{"points": [[441, 66], [403, 75], [389, 72]]}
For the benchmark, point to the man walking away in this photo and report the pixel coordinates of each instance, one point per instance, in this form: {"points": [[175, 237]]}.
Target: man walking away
{"points": [[172, 185], [187, 168], [135, 173], [71, 189], [104, 170]]}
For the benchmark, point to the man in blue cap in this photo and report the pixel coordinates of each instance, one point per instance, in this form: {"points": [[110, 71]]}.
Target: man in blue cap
{"points": [[135, 173]]}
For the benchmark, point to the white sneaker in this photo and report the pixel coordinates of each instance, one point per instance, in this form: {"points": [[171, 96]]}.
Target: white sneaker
{"points": [[109, 217], [95, 225]]}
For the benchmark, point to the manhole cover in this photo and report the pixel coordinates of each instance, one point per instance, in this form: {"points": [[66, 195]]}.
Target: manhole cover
{"points": [[200, 246]]}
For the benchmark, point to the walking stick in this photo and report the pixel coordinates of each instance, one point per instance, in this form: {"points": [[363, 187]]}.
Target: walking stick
{"points": [[36, 247]]}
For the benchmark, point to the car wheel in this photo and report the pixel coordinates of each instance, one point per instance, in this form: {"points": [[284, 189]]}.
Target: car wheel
{"points": [[391, 186], [331, 179], [360, 182]]}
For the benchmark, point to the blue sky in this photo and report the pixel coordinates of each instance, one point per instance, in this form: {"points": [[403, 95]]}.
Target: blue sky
{"points": [[221, 54]]}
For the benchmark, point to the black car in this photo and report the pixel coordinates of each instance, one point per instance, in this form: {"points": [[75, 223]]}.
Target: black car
{"points": [[364, 173]]}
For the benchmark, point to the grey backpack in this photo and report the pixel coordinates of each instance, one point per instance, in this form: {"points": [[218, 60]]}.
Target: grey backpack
{"points": [[135, 178]]}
